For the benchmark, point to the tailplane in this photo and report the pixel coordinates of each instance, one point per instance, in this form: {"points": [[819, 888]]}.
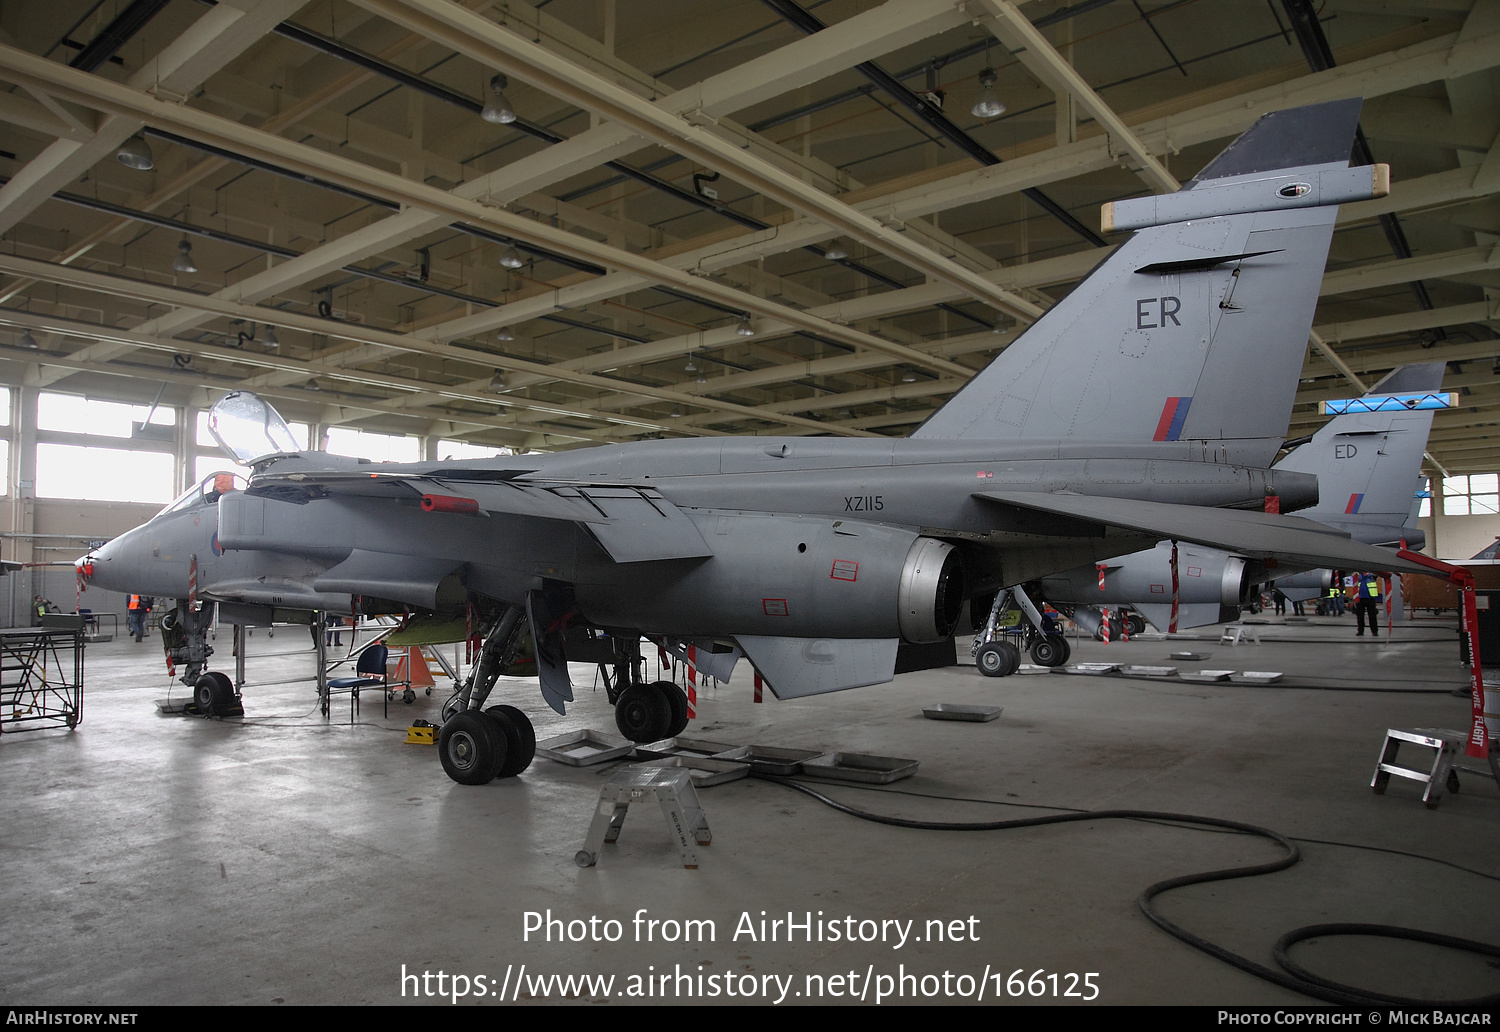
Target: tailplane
{"points": [[1196, 327]]}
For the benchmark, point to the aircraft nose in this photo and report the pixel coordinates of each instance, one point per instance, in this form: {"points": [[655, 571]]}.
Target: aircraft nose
{"points": [[102, 567]]}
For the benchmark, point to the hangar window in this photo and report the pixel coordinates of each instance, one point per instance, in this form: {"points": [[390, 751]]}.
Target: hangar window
{"points": [[206, 439], [73, 414], [103, 474], [1477, 494], [464, 450], [5, 400], [365, 444]]}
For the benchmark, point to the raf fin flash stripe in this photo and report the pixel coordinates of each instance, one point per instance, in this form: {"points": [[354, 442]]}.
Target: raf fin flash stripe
{"points": [[1173, 415]]}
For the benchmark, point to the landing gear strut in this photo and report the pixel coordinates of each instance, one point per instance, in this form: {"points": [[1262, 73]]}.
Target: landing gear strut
{"points": [[997, 652], [644, 711], [477, 745], [184, 638]]}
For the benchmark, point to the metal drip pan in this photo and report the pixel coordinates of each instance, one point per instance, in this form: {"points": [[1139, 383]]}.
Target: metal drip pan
{"points": [[877, 770], [956, 711], [584, 748]]}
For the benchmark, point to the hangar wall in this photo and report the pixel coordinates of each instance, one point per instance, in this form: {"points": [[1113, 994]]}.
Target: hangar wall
{"points": [[1459, 537]]}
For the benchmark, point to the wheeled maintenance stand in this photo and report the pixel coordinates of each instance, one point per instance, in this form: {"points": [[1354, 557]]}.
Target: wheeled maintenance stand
{"points": [[1449, 745], [671, 787], [41, 675]]}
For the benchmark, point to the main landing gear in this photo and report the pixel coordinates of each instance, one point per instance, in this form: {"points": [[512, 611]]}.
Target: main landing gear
{"points": [[478, 744], [997, 652], [644, 711]]}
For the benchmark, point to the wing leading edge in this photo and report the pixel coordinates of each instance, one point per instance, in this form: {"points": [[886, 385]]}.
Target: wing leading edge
{"points": [[631, 523]]}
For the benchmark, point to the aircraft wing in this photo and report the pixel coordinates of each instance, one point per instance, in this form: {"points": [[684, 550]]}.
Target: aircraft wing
{"points": [[492, 496], [1258, 535], [632, 523]]}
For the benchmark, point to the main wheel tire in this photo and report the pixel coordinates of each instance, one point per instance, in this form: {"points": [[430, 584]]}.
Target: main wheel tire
{"points": [[998, 659], [472, 747], [522, 749], [511, 734], [1048, 651], [643, 713], [1067, 648], [1135, 624], [678, 701], [203, 695]]}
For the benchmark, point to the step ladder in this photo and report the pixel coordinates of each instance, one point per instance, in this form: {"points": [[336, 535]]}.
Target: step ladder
{"points": [[1238, 634], [671, 788], [1448, 745]]}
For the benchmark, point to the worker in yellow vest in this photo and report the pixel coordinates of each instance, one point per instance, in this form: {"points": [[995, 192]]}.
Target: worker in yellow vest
{"points": [[1367, 601]]}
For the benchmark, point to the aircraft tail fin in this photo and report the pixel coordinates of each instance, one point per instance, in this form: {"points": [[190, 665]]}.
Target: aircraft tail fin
{"points": [[1196, 327], [1366, 463]]}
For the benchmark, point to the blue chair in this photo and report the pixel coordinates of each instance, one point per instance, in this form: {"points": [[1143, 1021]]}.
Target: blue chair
{"points": [[371, 663]]}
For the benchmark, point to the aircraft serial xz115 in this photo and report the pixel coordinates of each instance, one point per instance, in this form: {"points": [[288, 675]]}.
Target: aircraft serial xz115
{"points": [[1146, 405]]}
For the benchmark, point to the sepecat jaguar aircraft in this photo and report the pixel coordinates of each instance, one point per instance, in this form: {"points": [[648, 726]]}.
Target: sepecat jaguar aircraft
{"points": [[1148, 404]]}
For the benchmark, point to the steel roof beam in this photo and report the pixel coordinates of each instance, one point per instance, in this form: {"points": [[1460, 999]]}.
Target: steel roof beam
{"points": [[497, 46], [304, 369], [120, 287], [730, 90], [215, 39], [1013, 29]]}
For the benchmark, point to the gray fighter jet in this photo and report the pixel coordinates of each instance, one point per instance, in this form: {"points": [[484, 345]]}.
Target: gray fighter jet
{"points": [[177, 555], [1148, 404], [1366, 465]]}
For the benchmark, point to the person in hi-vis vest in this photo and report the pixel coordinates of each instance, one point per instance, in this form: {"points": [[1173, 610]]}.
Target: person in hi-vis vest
{"points": [[1367, 602]]}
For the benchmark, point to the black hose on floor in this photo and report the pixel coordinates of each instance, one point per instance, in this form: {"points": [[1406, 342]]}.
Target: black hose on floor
{"points": [[1293, 977]]}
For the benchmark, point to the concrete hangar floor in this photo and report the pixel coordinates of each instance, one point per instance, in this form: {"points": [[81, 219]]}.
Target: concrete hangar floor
{"points": [[282, 858]]}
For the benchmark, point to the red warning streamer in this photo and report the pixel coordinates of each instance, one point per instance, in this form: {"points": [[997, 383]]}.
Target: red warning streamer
{"points": [[1390, 628], [1172, 626]]}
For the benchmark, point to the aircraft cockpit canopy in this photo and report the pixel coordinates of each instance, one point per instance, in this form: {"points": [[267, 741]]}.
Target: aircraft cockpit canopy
{"points": [[248, 428], [206, 492]]}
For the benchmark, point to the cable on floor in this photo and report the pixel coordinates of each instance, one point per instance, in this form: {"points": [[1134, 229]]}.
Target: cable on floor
{"points": [[1293, 976]]}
